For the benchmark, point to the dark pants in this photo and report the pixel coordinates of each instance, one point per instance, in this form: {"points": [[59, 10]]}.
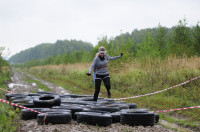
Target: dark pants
{"points": [[98, 79]]}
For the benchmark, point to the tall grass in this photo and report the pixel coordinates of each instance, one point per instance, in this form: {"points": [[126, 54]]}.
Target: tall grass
{"points": [[8, 118], [137, 77]]}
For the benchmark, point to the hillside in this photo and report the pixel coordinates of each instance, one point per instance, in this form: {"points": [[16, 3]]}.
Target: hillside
{"points": [[47, 49]]}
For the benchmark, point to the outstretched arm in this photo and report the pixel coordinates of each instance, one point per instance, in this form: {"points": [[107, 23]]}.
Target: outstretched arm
{"points": [[115, 57]]}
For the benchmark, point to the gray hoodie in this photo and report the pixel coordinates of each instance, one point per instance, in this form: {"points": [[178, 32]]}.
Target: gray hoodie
{"points": [[100, 66]]}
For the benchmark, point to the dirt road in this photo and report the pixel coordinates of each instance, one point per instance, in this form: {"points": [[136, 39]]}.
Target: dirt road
{"points": [[18, 85]]}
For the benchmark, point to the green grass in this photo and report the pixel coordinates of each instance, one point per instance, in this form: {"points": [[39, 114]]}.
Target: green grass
{"points": [[8, 117], [181, 122], [39, 84], [139, 77], [175, 129]]}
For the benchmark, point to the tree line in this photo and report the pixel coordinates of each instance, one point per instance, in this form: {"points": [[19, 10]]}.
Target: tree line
{"points": [[45, 50], [159, 42]]}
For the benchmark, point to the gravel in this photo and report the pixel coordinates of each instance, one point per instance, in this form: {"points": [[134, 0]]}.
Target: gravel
{"points": [[32, 126]]}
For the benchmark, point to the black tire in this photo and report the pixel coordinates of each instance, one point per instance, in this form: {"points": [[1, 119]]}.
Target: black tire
{"points": [[96, 111], [76, 102], [34, 94], [104, 103], [65, 96], [29, 105], [90, 106], [132, 105], [89, 98], [85, 96], [42, 92], [136, 119], [22, 101], [107, 100], [86, 99], [9, 95], [54, 118], [115, 117], [120, 102], [73, 95], [109, 109], [134, 111], [27, 114], [157, 117], [120, 106], [47, 101], [73, 109], [20, 97], [55, 110], [92, 118]]}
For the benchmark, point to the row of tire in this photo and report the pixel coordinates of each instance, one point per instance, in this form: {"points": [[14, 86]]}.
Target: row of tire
{"points": [[61, 109]]}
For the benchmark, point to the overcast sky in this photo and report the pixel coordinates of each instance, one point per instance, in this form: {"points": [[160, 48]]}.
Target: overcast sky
{"points": [[26, 23]]}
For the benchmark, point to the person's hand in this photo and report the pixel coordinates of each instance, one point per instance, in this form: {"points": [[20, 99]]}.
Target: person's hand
{"points": [[89, 74], [121, 54]]}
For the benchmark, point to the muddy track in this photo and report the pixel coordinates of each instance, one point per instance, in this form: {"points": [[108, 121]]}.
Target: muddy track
{"points": [[18, 85], [54, 88]]}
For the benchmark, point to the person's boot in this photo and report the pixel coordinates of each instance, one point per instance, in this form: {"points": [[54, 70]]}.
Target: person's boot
{"points": [[95, 98], [109, 94]]}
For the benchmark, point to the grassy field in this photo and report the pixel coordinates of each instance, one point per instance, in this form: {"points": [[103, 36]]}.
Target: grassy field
{"points": [[8, 117], [138, 77]]}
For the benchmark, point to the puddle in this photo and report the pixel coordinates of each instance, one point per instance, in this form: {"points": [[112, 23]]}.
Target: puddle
{"points": [[12, 85], [40, 90], [34, 84]]}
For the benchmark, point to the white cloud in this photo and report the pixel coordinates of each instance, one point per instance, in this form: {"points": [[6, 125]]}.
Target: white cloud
{"points": [[26, 23]]}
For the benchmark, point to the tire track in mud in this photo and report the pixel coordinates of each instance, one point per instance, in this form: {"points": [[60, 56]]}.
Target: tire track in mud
{"points": [[18, 85], [54, 88]]}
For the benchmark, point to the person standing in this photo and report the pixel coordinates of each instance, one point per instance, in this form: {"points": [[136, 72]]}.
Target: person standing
{"points": [[100, 64]]}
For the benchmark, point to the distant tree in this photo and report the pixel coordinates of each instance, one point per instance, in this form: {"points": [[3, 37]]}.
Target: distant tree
{"points": [[3, 62], [160, 41], [196, 34], [148, 48], [182, 39]]}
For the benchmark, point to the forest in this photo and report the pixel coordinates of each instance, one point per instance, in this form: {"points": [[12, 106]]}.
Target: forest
{"points": [[159, 42], [47, 49]]}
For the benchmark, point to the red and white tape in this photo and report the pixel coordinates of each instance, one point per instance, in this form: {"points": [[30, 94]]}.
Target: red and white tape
{"points": [[20, 106], [187, 108], [159, 90], [162, 111], [6, 91]]}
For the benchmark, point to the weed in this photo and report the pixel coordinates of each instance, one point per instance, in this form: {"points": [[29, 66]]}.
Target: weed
{"points": [[8, 117]]}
